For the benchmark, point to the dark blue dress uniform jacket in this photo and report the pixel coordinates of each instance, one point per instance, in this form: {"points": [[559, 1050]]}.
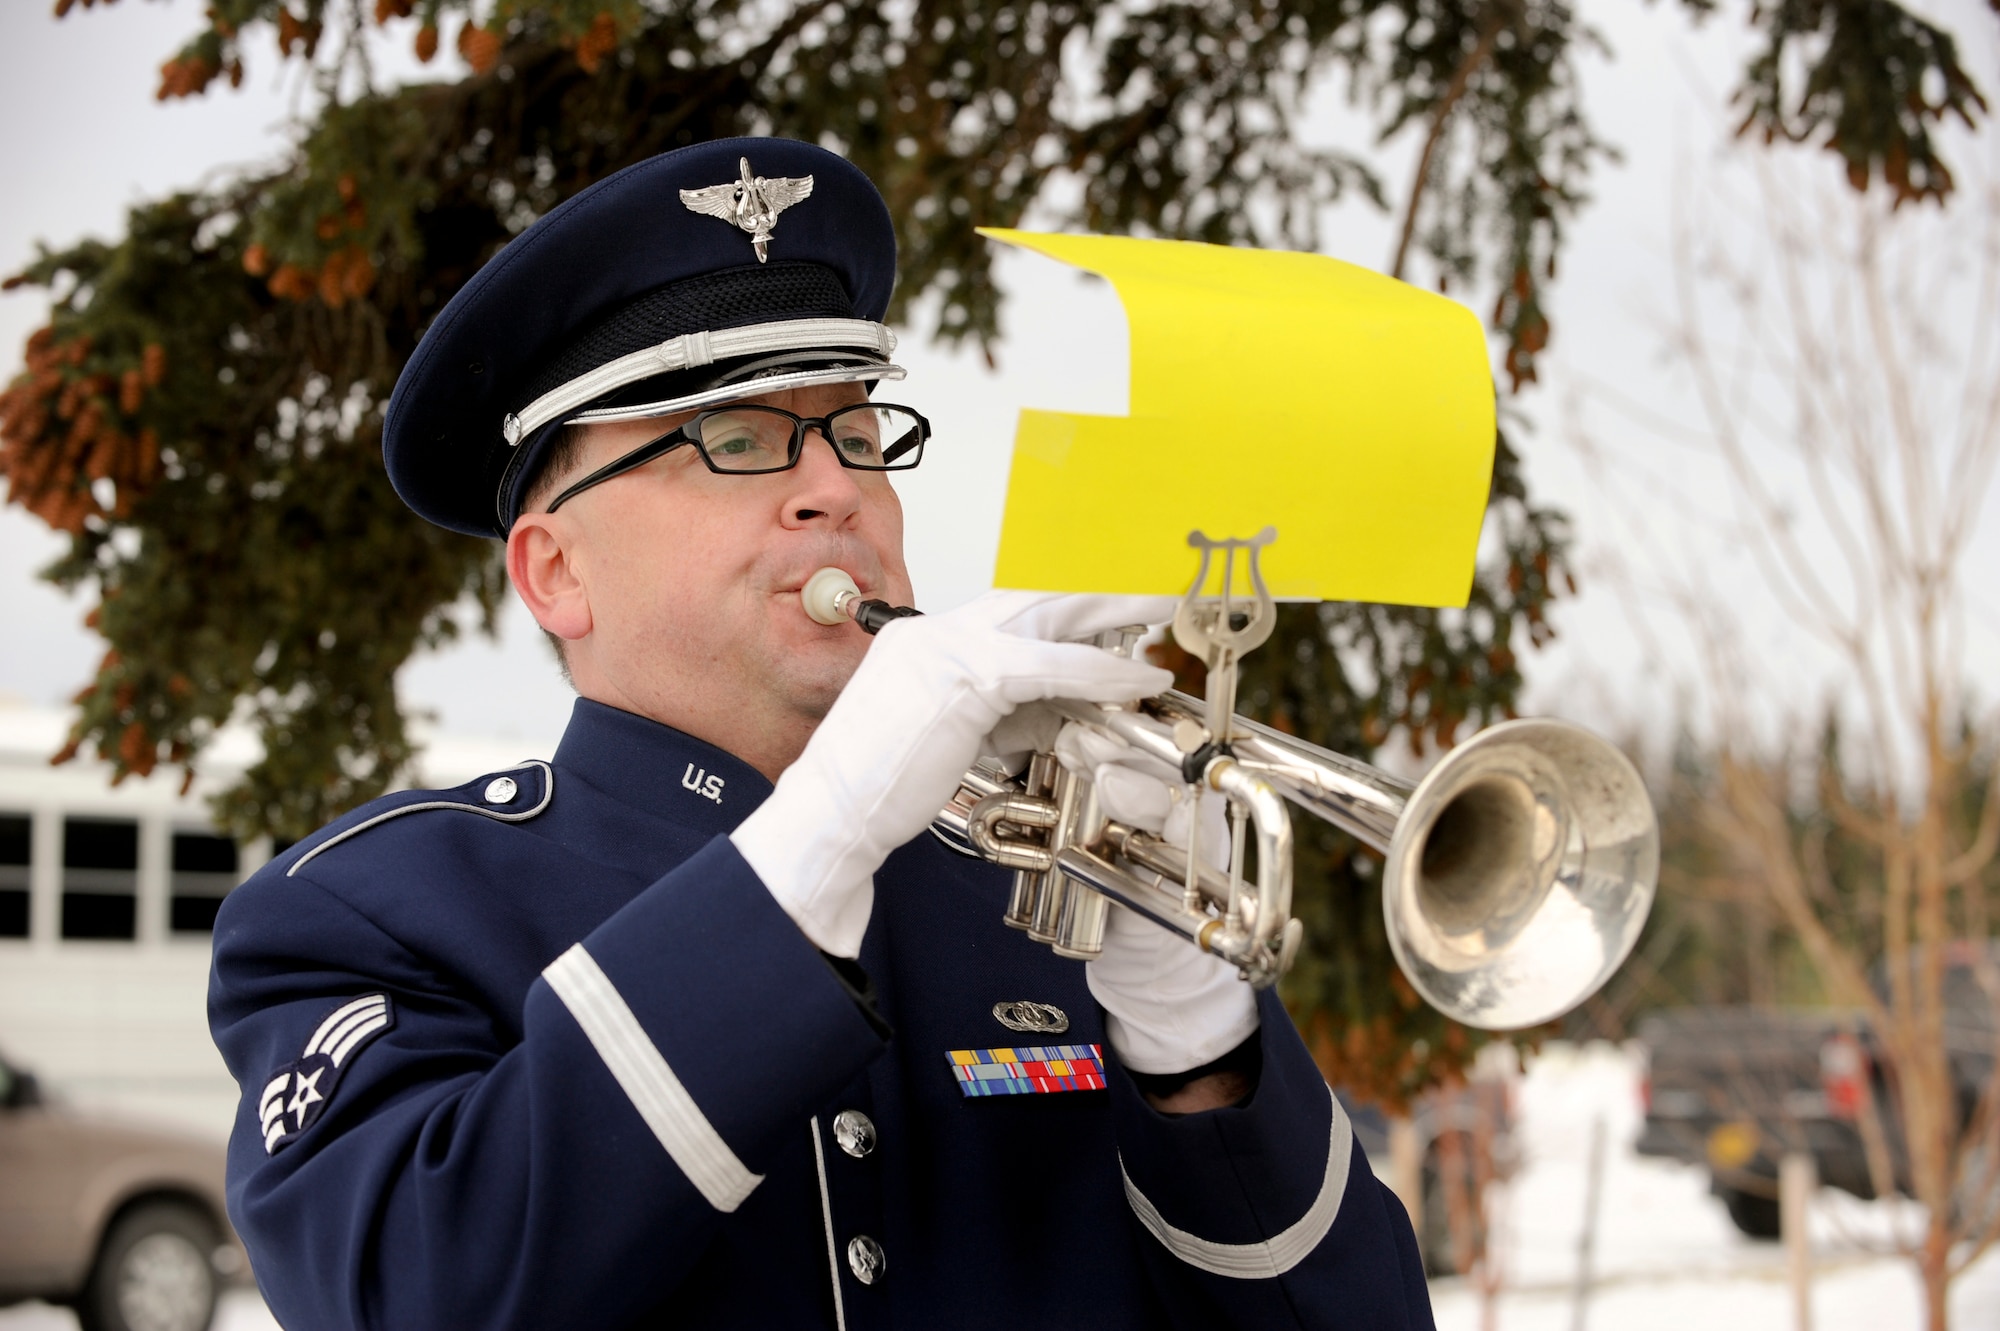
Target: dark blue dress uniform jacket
{"points": [[549, 1055]]}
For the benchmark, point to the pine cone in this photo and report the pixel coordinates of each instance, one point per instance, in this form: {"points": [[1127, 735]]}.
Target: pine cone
{"points": [[601, 40], [480, 47]]}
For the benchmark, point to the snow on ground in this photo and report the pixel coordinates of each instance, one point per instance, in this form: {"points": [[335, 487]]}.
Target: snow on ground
{"points": [[241, 1310], [1667, 1258]]}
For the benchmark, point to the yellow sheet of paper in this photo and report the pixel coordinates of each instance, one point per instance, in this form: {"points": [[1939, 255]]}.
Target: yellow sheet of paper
{"points": [[1350, 411]]}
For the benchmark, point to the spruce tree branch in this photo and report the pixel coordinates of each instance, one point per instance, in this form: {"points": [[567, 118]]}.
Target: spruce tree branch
{"points": [[1461, 80]]}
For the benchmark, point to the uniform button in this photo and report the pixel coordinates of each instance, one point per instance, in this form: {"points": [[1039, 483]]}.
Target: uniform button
{"points": [[501, 789], [866, 1259], [854, 1132]]}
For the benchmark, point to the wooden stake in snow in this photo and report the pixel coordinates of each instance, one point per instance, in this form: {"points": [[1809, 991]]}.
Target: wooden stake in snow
{"points": [[1586, 1241], [1406, 1169], [1796, 1181]]}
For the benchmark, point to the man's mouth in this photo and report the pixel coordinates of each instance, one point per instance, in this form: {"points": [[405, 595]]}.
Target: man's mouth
{"points": [[827, 597], [798, 589], [866, 577], [850, 557]]}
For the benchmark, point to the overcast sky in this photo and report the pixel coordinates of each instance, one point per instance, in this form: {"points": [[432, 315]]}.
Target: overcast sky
{"points": [[86, 141]]}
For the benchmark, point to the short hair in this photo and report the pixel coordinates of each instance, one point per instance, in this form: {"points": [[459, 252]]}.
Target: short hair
{"points": [[565, 451]]}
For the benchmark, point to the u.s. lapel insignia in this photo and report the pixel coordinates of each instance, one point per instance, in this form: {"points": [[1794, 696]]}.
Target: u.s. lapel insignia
{"points": [[298, 1093], [752, 203], [1032, 1018]]}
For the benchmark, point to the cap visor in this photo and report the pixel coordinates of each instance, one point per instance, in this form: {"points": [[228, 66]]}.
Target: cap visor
{"points": [[735, 392]]}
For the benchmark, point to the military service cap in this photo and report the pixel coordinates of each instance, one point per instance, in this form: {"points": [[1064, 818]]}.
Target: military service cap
{"points": [[673, 284]]}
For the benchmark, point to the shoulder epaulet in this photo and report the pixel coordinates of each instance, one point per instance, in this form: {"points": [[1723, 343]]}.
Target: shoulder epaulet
{"points": [[511, 796]]}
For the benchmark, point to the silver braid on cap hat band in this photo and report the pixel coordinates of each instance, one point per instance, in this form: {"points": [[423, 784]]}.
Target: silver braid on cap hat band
{"points": [[690, 351]]}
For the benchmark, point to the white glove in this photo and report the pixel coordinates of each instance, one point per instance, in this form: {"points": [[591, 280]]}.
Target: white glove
{"points": [[1168, 1005], [903, 732]]}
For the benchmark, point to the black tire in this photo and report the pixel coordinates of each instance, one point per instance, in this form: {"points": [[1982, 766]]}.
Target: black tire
{"points": [[1753, 1213], [1440, 1252], [1435, 1242], [154, 1272]]}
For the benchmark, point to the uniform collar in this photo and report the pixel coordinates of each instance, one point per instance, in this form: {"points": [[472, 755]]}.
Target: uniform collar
{"points": [[658, 769]]}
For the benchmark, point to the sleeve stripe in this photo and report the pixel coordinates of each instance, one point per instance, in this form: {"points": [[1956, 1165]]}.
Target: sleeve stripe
{"points": [[1276, 1255], [648, 1082], [270, 1102], [359, 1009], [357, 1035], [376, 1014]]}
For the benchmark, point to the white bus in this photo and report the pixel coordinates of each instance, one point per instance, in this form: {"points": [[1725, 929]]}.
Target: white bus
{"points": [[107, 900]]}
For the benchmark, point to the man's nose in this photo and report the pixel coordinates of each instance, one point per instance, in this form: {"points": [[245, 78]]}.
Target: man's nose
{"points": [[822, 490]]}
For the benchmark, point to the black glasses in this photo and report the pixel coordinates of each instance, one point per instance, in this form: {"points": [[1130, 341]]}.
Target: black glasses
{"points": [[755, 441]]}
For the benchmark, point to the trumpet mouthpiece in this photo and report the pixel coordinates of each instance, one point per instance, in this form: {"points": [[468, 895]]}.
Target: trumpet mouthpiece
{"points": [[827, 595]]}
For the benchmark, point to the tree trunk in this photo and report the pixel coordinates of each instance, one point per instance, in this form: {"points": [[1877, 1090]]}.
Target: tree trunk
{"points": [[1935, 1263]]}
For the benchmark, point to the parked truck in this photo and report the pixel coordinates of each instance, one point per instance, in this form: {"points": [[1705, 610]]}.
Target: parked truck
{"points": [[1735, 1088]]}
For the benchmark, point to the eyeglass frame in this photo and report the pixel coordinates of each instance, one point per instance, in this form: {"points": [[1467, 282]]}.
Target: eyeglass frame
{"points": [[684, 433]]}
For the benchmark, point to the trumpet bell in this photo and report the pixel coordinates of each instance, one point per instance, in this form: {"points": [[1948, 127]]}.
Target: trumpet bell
{"points": [[1520, 874]]}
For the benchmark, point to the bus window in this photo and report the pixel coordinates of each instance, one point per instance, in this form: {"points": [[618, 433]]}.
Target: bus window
{"points": [[15, 837], [205, 868], [100, 885]]}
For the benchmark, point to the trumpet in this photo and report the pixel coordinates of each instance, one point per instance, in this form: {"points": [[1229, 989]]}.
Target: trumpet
{"points": [[1517, 874]]}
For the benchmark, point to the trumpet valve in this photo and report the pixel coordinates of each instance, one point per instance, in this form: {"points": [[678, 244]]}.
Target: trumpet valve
{"points": [[1079, 931]]}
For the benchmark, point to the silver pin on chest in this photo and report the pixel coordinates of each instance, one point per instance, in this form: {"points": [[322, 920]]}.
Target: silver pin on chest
{"points": [[1031, 1018]]}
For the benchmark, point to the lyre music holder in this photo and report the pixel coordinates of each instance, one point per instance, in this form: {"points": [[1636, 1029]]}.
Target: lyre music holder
{"points": [[1215, 630]]}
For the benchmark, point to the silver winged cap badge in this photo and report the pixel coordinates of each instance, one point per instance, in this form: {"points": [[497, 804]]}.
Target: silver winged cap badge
{"points": [[752, 203]]}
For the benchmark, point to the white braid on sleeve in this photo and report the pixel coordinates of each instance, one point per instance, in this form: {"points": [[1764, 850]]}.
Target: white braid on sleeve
{"points": [[1275, 1255], [648, 1082]]}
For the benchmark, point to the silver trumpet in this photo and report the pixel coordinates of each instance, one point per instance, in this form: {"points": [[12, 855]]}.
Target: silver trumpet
{"points": [[1518, 872]]}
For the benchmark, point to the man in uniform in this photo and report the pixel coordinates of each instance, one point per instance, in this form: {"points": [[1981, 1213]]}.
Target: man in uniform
{"points": [[695, 1025]]}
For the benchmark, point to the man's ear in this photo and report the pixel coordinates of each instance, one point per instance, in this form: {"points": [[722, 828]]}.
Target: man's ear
{"points": [[542, 566]]}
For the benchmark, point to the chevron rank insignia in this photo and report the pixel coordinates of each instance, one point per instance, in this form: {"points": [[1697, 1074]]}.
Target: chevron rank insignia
{"points": [[752, 203], [1038, 1070], [298, 1093]]}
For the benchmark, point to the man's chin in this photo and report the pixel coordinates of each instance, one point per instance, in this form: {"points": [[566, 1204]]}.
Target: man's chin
{"points": [[810, 676]]}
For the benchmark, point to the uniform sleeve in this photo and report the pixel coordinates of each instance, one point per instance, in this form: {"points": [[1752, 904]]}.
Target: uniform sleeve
{"points": [[1266, 1214], [560, 1166]]}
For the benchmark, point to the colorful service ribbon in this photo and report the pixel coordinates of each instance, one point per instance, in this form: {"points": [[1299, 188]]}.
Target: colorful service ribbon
{"points": [[1028, 1071]]}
